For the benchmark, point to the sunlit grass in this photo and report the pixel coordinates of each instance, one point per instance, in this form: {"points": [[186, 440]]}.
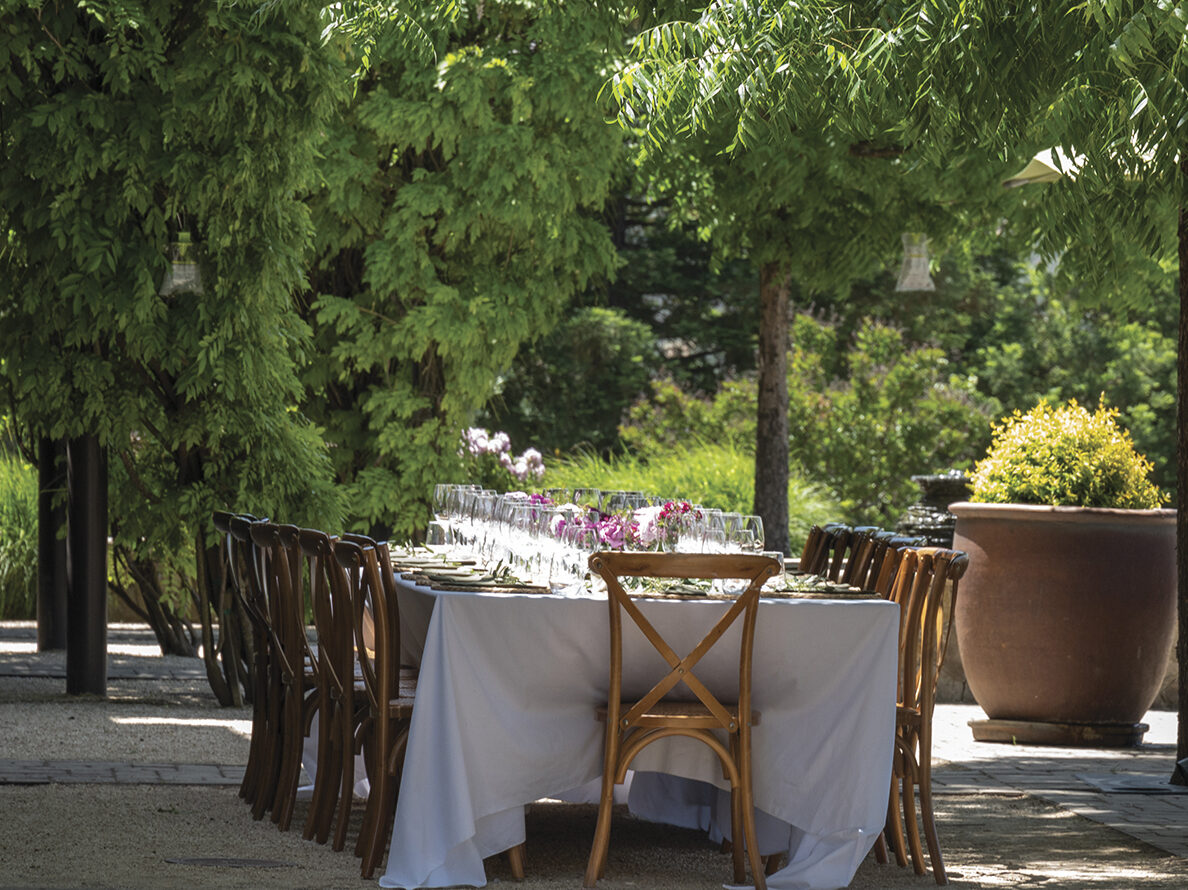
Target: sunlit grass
{"points": [[712, 474]]}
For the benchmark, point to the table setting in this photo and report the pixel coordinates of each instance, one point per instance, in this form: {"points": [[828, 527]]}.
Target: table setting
{"points": [[510, 635]]}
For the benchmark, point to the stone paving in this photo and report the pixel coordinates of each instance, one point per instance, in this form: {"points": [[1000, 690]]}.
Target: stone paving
{"points": [[1125, 789], [43, 772]]}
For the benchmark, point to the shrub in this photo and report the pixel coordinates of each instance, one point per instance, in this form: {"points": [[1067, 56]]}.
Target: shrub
{"points": [[1065, 457], [708, 473], [864, 416], [572, 387], [487, 459], [18, 539], [669, 415]]}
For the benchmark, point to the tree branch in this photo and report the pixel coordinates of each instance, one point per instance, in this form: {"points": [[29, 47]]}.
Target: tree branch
{"points": [[135, 477]]}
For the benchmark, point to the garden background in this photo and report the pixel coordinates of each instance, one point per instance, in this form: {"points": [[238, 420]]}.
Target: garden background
{"points": [[414, 226]]}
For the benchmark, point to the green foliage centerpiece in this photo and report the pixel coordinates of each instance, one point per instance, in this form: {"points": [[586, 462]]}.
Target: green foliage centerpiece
{"points": [[1066, 615]]}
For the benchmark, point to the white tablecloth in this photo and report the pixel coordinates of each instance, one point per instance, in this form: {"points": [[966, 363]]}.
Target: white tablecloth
{"points": [[505, 716]]}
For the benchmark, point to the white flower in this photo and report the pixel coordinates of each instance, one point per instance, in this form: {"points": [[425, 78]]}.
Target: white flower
{"points": [[533, 462], [476, 440]]}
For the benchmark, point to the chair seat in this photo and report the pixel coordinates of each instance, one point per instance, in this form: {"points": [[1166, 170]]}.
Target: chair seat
{"points": [[408, 683], [689, 715], [905, 716], [401, 708]]}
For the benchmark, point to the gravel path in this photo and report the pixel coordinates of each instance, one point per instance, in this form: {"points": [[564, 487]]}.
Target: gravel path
{"points": [[111, 835]]}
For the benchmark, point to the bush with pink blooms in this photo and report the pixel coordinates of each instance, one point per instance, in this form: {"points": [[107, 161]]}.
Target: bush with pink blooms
{"points": [[488, 460]]}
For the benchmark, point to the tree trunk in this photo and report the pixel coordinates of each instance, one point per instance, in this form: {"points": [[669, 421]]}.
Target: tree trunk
{"points": [[771, 435], [1180, 773], [174, 634]]}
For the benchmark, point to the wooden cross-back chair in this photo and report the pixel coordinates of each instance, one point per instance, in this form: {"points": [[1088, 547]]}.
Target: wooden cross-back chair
{"points": [[813, 557], [248, 567], [632, 725], [919, 588], [825, 550], [341, 697], [292, 663], [390, 697], [858, 556]]}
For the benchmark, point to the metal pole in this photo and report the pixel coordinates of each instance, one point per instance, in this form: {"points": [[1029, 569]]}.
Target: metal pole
{"points": [[86, 625], [51, 545]]}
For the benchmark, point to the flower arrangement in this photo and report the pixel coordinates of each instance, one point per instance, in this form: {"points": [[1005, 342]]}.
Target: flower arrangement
{"points": [[662, 526], [490, 459], [610, 531], [1065, 456], [647, 528]]}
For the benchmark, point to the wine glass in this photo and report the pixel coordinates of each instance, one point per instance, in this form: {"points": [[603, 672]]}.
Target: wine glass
{"points": [[751, 534], [714, 532], [587, 497], [732, 524]]}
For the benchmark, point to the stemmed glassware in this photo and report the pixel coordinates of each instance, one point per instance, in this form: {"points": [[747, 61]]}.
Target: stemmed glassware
{"points": [[529, 534], [713, 537], [751, 534]]}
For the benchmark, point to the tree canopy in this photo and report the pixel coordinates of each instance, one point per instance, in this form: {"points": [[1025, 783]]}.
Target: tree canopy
{"points": [[126, 128], [1105, 81], [459, 212]]}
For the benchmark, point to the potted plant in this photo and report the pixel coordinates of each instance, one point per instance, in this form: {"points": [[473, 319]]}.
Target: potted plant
{"points": [[1065, 619]]}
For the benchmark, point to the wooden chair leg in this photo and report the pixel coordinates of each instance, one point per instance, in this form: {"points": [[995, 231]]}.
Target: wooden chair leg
{"points": [[321, 805], [367, 744], [515, 859], [342, 776], [346, 791], [934, 852], [895, 825], [369, 832], [773, 863], [911, 824], [249, 788], [880, 848], [286, 791], [380, 828], [748, 815], [601, 843], [270, 758], [738, 846]]}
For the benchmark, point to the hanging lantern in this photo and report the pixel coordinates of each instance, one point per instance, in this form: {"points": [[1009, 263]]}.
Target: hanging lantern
{"points": [[183, 273], [913, 274]]}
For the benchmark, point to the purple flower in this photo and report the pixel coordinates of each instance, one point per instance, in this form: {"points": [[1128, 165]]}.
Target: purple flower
{"points": [[612, 532]]}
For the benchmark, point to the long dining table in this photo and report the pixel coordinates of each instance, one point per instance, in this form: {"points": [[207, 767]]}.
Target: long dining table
{"points": [[505, 716]]}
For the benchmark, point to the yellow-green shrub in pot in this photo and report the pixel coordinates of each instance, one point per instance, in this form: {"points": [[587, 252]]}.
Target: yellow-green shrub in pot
{"points": [[1067, 613]]}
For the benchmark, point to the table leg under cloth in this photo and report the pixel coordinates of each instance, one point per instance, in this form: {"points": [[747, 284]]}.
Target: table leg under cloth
{"points": [[505, 716]]}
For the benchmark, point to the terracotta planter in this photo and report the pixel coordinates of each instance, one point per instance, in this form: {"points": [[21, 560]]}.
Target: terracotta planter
{"points": [[1065, 616]]}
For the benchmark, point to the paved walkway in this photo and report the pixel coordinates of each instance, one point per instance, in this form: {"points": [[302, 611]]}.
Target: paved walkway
{"points": [[1125, 789]]}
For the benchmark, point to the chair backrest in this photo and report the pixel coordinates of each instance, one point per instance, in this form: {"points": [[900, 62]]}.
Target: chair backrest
{"points": [[826, 549], [284, 595], [612, 566], [376, 617], [333, 612], [247, 567], [860, 556], [813, 557], [839, 540], [919, 589]]}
